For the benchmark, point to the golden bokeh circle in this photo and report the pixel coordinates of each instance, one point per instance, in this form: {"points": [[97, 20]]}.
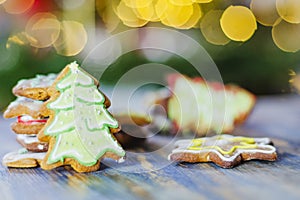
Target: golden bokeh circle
{"points": [[72, 39], [286, 36], [42, 29], [197, 14], [238, 23], [265, 11], [289, 10], [178, 15], [211, 28]]}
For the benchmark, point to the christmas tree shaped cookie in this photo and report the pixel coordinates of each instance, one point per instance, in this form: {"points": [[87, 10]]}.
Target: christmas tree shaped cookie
{"points": [[78, 129]]}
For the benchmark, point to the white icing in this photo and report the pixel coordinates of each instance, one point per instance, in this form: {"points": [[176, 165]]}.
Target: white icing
{"points": [[28, 139], [74, 67], [17, 156], [183, 145], [77, 76], [31, 104], [40, 81], [27, 118]]}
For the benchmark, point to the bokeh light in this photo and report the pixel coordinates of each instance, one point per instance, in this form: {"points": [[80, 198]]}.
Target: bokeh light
{"points": [[265, 11], [202, 1], [238, 23], [181, 2], [72, 38], [17, 6], [211, 28], [137, 3], [289, 10], [181, 14], [160, 7], [44, 28], [128, 16], [126, 13], [177, 15], [286, 36], [147, 13], [107, 10], [2, 1], [192, 22]]}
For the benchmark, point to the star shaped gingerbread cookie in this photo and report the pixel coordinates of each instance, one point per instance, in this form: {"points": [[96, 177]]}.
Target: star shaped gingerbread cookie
{"points": [[224, 150]]}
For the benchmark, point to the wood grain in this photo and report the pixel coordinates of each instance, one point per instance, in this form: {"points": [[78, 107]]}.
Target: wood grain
{"points": [[147, 174]]}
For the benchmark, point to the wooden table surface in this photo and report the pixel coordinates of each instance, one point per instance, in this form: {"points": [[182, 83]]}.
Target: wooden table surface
{"points": [[277, 117]]}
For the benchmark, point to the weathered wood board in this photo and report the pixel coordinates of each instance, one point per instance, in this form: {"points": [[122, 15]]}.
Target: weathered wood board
{"points": [[277, 117]]}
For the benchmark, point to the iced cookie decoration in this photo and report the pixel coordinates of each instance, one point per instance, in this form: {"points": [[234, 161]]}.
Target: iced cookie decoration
{"points": [[35, 88], [200, 107], [23, 159], [224, 150], [28, 114], [78, 129]]}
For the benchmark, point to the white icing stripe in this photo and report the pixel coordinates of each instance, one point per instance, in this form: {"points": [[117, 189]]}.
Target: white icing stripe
{"points": [[40, 81], [16, 156], [224, 136], [28, 139], [232, 157], [33, 105], [183, 145]]}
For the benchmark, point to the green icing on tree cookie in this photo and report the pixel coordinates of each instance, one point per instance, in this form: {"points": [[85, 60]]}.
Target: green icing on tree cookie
{"points": [[81, 122]]}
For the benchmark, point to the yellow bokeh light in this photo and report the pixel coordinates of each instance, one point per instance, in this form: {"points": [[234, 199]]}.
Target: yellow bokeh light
{"points": [[2, 1], [137, 3], [160, 7], [181, 2], [265, 11], [72, 39], [238, 23], [211, 28], [129, 16], [43, 28], [147, 13], [17, 6], [109, 16], [202, 1], [126, 13], [137, 23], [286, 36], [197, 14], [177, 15], [289, 10]]}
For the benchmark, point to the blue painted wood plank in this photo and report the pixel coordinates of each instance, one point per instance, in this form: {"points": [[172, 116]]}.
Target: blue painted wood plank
{"points": [[276, 117]]}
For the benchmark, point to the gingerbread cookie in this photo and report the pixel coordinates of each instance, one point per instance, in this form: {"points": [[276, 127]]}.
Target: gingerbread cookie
{"points": [[28, 112], [23, 159], [201, 107], [78, 129], [224, 150], [31, 143], [24, 106], [27, 125], [34, 88]]}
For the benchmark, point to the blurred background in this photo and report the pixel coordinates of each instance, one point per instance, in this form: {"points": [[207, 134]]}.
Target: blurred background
{"points": [[254, 43]]}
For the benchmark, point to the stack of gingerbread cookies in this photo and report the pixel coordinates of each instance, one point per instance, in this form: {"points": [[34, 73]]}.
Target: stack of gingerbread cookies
{"points": [[27, 109], [62, 120]]}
